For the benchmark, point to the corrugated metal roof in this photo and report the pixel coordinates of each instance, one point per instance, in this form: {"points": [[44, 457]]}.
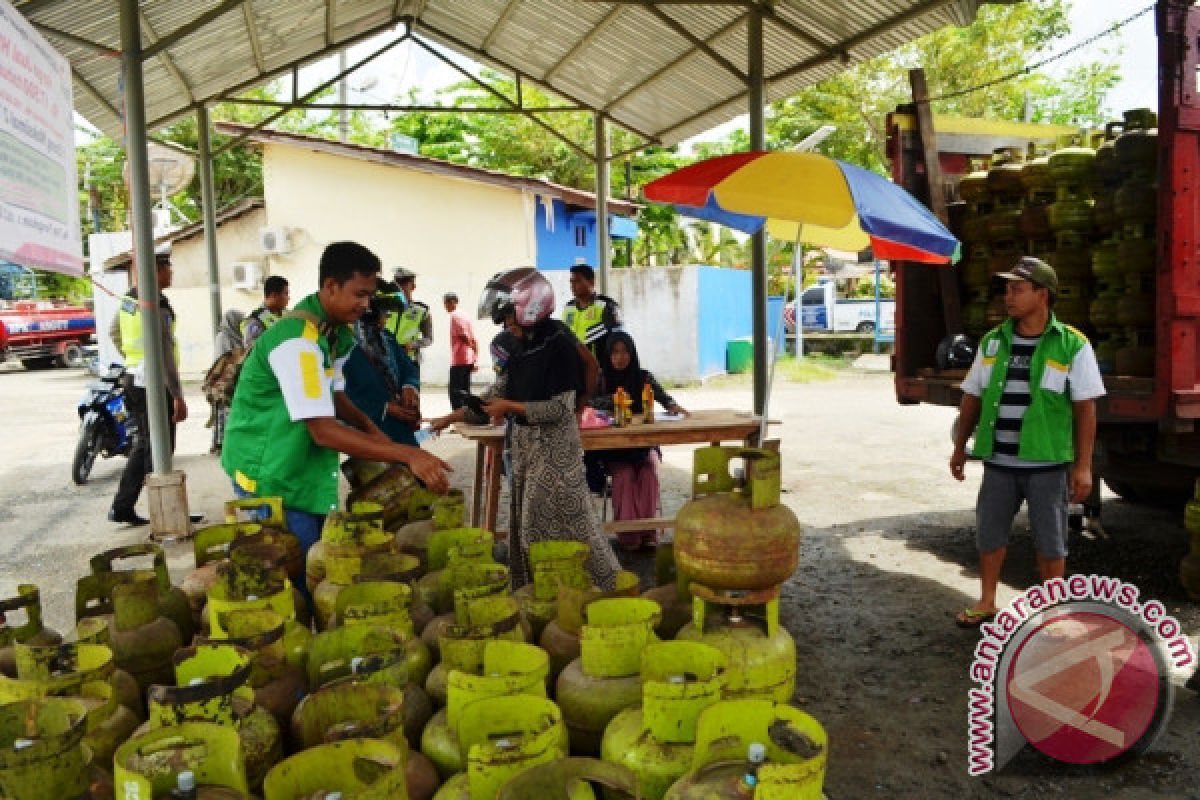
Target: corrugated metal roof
{"points": [[227, 214], [664, 70]]}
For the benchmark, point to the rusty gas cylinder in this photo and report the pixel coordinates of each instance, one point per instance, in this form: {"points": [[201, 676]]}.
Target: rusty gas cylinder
{"points": [[28, 601], [736, 534], [143, 640]]}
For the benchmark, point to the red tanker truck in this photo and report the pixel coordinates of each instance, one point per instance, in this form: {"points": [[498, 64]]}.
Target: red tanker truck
{"points": [[41, 334]]}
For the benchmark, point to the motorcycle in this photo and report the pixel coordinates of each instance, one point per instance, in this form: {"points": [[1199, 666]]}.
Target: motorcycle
{"points": [[105, 427]]}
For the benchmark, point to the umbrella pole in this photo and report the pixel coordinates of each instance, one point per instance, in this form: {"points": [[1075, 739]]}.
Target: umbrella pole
{"points": [[777, 342]]}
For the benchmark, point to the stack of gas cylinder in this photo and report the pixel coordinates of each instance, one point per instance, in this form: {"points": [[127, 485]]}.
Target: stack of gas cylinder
{"points": [[1089, 209], [419, 673]]}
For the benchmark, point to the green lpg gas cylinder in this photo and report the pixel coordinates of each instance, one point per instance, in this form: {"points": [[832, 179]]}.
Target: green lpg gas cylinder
{"points": [[28, 600], [479, 620], [149, 764], [465, 582], [509, 668], [655, 742], [358, 769], [569, 779], [212, 687], [351, 539], [1137, 147], [268, 513], [760, 655], [81, 670], [211, 547], [560, 638], [403, 498], [125, 564], [606, 678], [95, 630], [736, 534], [352, 710], [503, 737], [278, 655], [755, 749], [42, 753], [554, 565], [449, 511], [141, 638]]}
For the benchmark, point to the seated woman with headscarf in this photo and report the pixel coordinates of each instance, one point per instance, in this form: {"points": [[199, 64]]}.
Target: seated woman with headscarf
{"points": [[381, 379], [634, 472]]}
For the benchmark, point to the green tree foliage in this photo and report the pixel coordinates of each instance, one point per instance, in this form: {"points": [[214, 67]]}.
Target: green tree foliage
{"points": [[1002, 41], [237, 172]]}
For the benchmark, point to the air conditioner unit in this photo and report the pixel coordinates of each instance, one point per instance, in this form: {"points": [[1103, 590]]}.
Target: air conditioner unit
{"points": [[247, 275], [276, 240]]}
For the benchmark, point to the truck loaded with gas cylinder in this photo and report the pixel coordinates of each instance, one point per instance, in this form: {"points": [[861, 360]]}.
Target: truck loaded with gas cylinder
{"points": [[1114, 211]]}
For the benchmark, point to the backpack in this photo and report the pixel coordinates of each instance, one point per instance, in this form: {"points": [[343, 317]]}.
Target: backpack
{"points": [[221, 378]]}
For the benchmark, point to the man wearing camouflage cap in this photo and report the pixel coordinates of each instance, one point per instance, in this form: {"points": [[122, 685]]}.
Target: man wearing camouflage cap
{"points": [[1030, 399]]}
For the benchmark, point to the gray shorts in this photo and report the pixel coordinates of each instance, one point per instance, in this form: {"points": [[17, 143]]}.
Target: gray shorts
{"points": [[1044, 490]]}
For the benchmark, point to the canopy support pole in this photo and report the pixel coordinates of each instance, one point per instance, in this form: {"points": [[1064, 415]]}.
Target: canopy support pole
{"points": [[603, 258], [143, 235], [758, 253], [208, 198]]}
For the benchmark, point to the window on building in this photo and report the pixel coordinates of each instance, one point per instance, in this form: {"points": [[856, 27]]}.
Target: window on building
{"points": [[580, 236]]}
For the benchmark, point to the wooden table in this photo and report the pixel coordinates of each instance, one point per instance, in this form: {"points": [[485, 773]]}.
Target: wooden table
{"points": [[701, 427]]}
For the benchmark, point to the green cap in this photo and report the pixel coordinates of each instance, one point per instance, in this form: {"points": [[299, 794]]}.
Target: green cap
{"points": [[1034, 270]]}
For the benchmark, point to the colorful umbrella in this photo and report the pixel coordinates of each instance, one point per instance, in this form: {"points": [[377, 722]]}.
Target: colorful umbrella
{"points": [[808, 198]]}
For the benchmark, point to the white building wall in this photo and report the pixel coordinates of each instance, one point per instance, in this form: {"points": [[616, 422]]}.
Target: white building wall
{"points": [[454, 233], [659, 306]]}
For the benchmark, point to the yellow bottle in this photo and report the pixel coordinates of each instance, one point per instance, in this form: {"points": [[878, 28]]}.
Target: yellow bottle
{"points": [[648, 404]]}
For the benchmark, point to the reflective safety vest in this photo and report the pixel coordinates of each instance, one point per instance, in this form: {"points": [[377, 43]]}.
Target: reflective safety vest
{"points": [[405, 325], [1047, 429], [590, 325], [133, 340], [263, 315]]}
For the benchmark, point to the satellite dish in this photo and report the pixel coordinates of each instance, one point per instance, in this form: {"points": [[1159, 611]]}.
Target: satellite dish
{"points": [[170, 171]]}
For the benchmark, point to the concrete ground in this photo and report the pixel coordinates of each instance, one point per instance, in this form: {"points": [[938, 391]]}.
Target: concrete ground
{"points": [[887, 558]]}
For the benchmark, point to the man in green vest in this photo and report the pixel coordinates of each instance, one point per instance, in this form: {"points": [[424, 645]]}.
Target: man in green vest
{"points": [[276, 297], [411, 326], [290, 416], [590, 315], [1030, 400], [127, 333]]}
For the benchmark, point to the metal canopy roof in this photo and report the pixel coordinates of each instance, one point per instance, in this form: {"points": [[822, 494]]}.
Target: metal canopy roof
{"points": [[666, 70]]}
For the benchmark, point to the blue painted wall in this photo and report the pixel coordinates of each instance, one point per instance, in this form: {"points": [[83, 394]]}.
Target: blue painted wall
{"points": [[557, 249], [723, 312]]}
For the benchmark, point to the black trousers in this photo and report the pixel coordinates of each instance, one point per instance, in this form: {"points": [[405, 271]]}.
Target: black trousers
{"points": [[460, 381], [139, 464]]}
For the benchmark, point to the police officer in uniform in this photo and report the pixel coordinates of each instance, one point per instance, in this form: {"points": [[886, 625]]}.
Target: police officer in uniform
{"points": [[412, 326], [276, 298], [590, 315], [127, 332]]}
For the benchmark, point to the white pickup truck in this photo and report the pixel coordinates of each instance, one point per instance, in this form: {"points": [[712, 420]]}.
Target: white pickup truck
{"points": [[823, 311]]}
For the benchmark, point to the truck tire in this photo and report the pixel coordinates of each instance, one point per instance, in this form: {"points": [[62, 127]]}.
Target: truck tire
{"points": [[71, 356], [40, 362], [86, 450], [865, 327]]}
